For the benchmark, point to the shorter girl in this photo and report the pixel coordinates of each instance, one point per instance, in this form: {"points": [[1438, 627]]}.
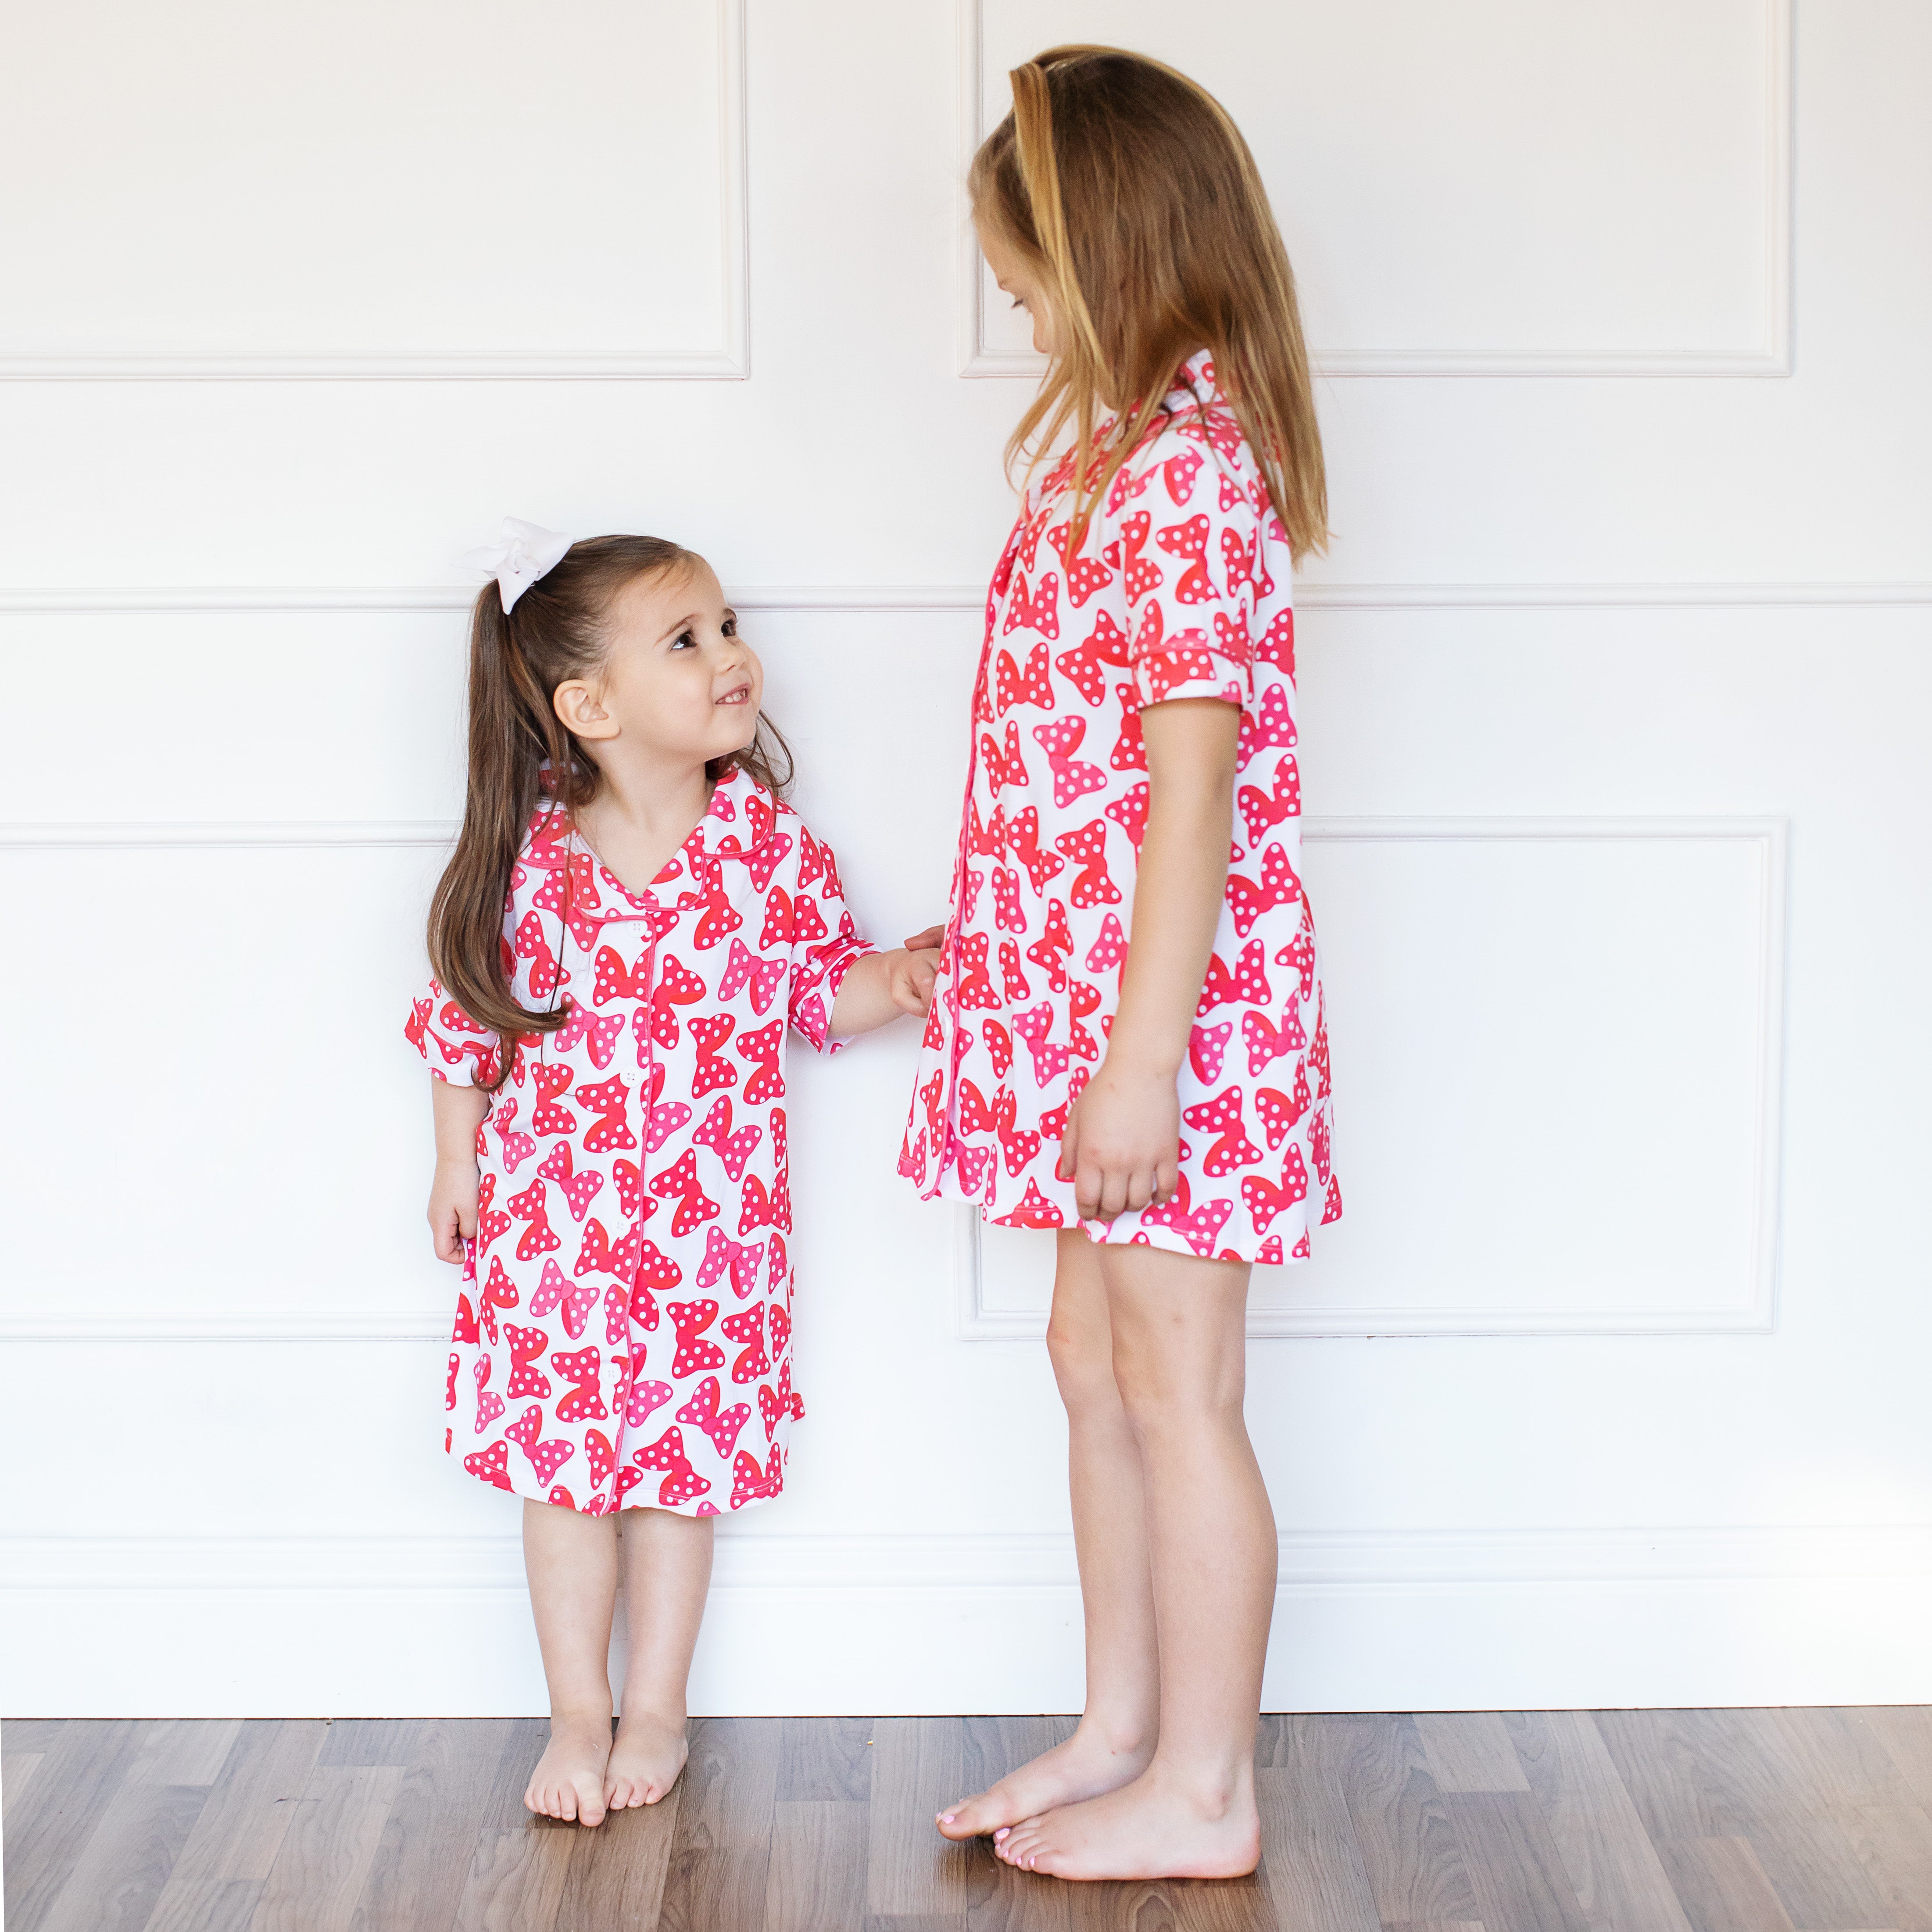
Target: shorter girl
{"points": [[631, 920]]}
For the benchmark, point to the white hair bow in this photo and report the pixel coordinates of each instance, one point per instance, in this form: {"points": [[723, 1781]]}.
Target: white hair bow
{"points": [[521, 554]]}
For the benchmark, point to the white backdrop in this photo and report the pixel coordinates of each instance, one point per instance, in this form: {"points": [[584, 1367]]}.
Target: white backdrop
{"points": [[1609, 1388]]}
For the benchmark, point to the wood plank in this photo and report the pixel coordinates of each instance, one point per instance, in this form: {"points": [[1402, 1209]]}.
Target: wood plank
{"points": [[1842, 1760], [1906, 1730], [616, 1875], [1513, 1865], [61, 1811], [449, 1768], [1470, 1750], [919, 1922], [817, 1879], [1409, 1851], [124, 1863], [1703, 1774], [822, 1759], [30, 1734], [517, 1876], [911, 1871], [1439, 1925], [1217, 1904], [238, 1834], [1722, 1886], [17, 1771], [1894, 1844], [327, 1849], [1814, 1869], [373, 1741], [1310, 1861], [721, 1847], [207, 1905], [1614, 1871]]}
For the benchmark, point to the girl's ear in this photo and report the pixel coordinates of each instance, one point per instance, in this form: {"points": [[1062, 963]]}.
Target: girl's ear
{"points": [[576, 705]]}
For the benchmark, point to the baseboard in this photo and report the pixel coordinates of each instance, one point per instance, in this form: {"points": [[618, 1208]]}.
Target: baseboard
{"points": [[100, 1627]]}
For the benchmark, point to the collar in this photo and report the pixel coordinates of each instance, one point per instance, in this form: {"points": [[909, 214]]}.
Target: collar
{"points": [[742, 816]]}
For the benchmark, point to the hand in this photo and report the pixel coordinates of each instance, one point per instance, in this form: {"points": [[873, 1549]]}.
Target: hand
{"points": [[1122, 1146], [452, 1206], [910, 976], [929, 941]]}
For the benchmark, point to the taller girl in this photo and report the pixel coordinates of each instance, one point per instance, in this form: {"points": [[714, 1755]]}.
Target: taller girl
{"points": [[1126, 1043]]}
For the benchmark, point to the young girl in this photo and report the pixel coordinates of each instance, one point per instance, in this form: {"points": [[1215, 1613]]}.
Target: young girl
{"points": [[1163, 1105], [631, 920]]}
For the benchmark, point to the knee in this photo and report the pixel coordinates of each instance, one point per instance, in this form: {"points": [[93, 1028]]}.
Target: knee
{"points": [[1158, 1402], [1082, 1364]]}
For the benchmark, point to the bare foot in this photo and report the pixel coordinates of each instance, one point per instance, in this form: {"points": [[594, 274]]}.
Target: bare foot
{"points": [[645, 1761], [1147, 1829], [568, 1781], [1085, 1766]]}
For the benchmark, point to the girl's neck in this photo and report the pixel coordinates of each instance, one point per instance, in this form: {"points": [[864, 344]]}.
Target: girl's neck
{"points": [[643, 813]]}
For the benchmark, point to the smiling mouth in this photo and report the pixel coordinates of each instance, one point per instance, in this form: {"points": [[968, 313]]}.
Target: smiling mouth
{"points": [[741, 695]]}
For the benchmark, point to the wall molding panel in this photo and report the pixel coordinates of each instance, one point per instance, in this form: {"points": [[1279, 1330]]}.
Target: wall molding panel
{"points": [[1771, 356], [729, 359], [976, 1320]]}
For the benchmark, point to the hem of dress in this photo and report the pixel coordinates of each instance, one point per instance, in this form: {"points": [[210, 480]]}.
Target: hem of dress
{"points": [[456, 1453]]}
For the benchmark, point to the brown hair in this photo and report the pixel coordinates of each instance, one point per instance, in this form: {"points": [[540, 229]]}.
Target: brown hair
{"points": [[517, 658], [1132, 196]]}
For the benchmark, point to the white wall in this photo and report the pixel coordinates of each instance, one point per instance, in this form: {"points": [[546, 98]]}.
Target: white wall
{"points": [[1608, 1391]]}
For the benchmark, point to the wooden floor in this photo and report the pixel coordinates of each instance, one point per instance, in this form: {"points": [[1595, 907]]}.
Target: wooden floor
{"points": [[1618, 1821]]}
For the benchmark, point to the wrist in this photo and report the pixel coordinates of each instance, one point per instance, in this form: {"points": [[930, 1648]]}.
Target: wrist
{"points": [[1130, 1059]]}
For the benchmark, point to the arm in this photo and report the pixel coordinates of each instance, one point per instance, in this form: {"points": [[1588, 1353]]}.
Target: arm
{"points": [[1122, 1145], [452, 1194], [882, 985]]}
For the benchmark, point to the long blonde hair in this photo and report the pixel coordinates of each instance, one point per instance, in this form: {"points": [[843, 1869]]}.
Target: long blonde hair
{"points": [[1133, 199]]}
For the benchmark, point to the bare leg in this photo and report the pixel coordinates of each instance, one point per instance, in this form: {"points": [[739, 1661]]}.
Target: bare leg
{"points": [[666, 1573], [1180, 1360], [1116, 1737], [571, 1561]]}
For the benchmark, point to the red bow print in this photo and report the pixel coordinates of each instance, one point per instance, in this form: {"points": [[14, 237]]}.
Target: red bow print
{"points": [[492, 1465], [776, 930], [581, 1370], [498, 1291], [1180, 472], [1049, 1060], [1143, 574], [603, 1457], [644, 1400], [615, 981], [596, 1255], [975, 1117], [616, 1314], [546, 1458], [806, 923], [629, 1177], [417, 1029], [654, 1270], [1129, 752], [1279, 886], [1199, 1226], [681, 1483], [1087, 849], [1264, 1200], [1277, 643], [1035, 1210], [749, 1482], [465, 1330], [1040, 613], [491, 1221], [1006, 913], [691, 1319], [489, 1404], [1317, 1144], [1084, 664], [746, 969], [999, 1045], [734, 1150], [762, 857], [1018, 1144], [721, 1426], [1023, 837], [1215, 424], [577, 1301], [1278, 1111], [1072, 777], [1272, 725], [609, 1100], [1206, 1048], [1267, 1042], [1300, 953], [1082, 1001], [539, 1237], [1221, 1116], [533, 945], [1053, 948], [724, 1256], [553, 1082], [517, 1148], [1231, 639], [984, 841], [780, 1329], [929, 1099], [1011, 978], [1262, 810], [1129, 812], [1188, 541], [1110, 949], [600, 1033], [579, 1190], [762, 1049], [758, 1210], [975, 992], [747, 1329], [1318, 1054], [1006, 768], [525, 1378], [1034, 687], [1030, 530], [709, 1032], [1248, 982], [721, 916], [694, 1207], [1085, 574], [774, 1404], [677, 986]]}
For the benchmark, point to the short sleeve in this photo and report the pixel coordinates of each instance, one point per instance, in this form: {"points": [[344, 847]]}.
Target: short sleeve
{"points": [[1185, 538], [453, 1046], [825, 942]]}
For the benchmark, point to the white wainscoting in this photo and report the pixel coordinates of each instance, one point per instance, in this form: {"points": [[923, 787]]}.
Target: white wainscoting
{"points": [[572, 213], [1450, 200]]}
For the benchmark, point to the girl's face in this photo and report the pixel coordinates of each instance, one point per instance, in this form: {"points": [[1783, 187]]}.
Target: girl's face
{"points": [[679, 685], [1011, 271]]}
